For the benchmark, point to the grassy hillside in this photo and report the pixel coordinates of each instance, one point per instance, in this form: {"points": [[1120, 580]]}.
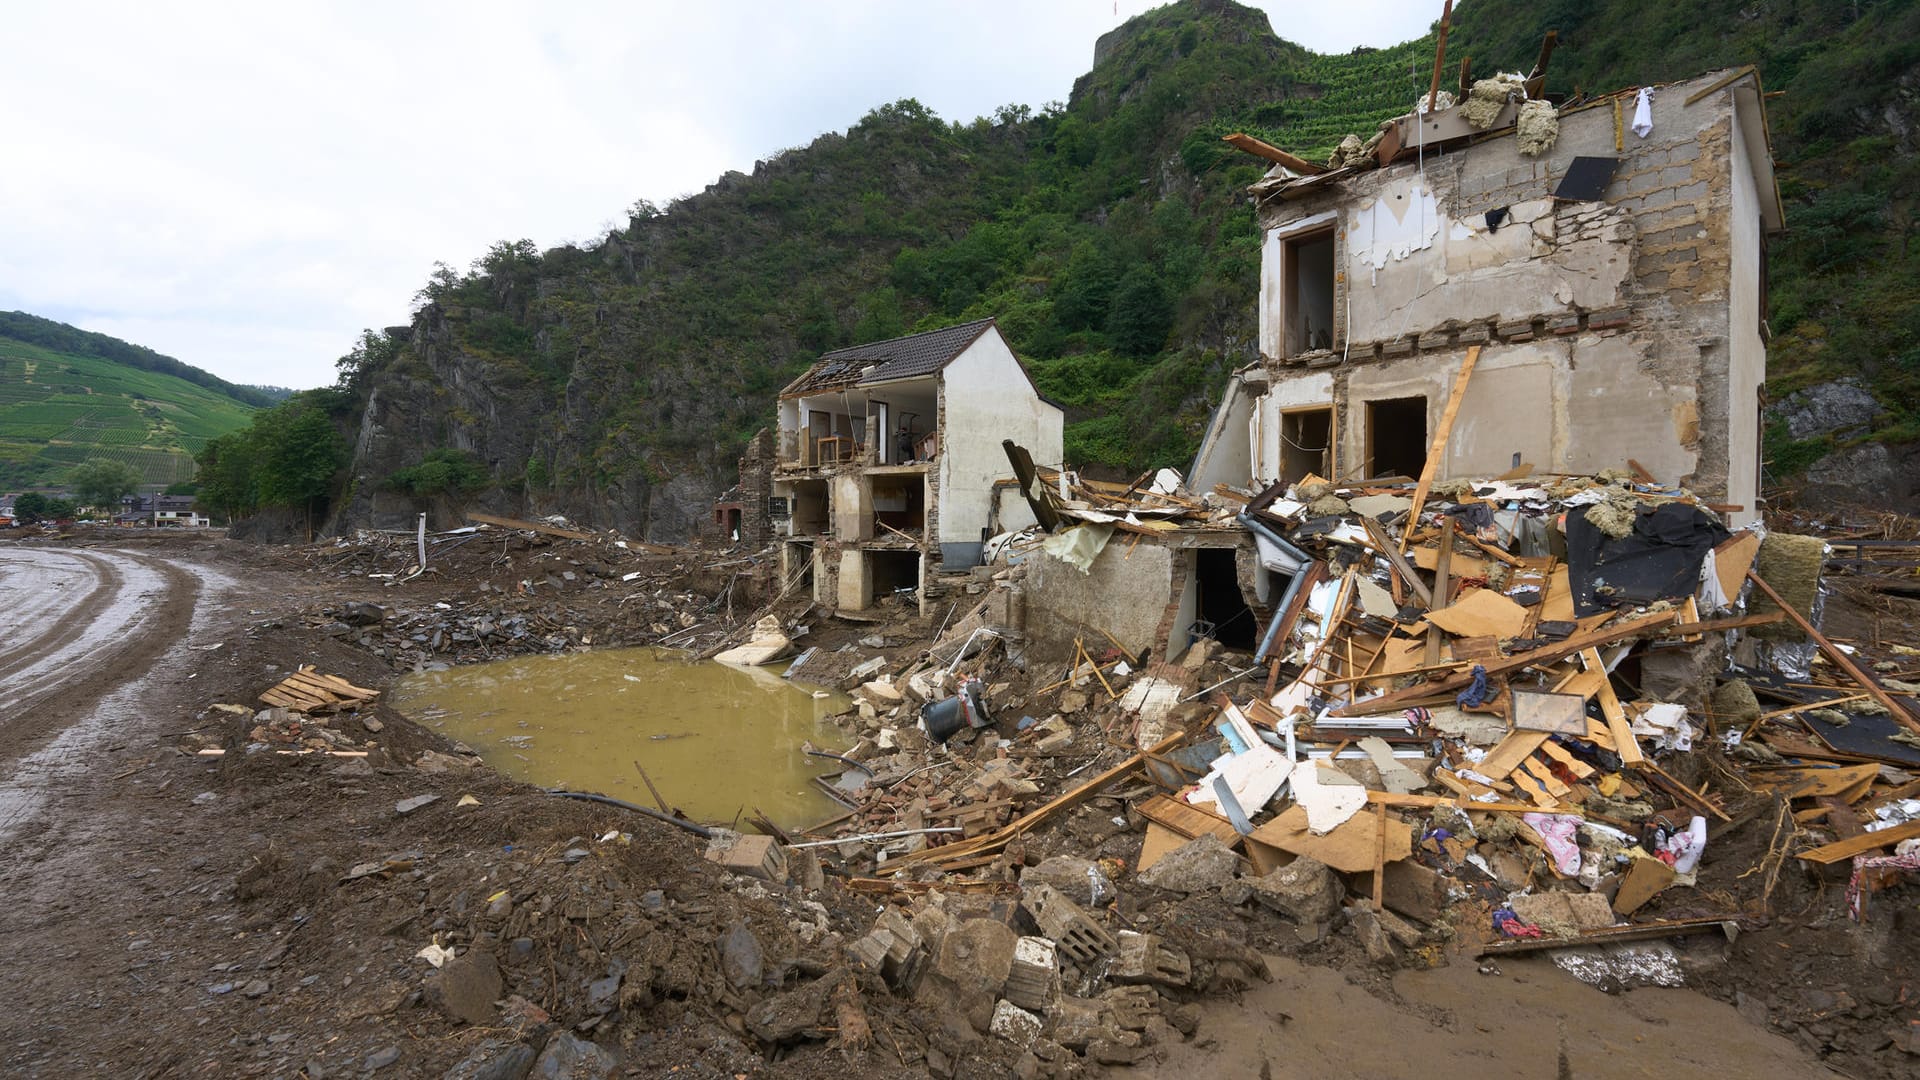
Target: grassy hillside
{"points": [[58, 409]]}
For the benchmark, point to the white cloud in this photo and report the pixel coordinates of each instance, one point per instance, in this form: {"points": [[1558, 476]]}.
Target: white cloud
{"points": [[245, 186]]}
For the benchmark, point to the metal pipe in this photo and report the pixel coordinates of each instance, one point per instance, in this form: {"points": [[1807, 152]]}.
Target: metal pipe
{"points": [[878, 836], [1255, 526], [698, 830]]}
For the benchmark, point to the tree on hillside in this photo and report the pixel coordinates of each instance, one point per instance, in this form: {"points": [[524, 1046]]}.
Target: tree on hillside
{"points": [[1142, 313], [101, 483], [34, 507], [299, 457]]}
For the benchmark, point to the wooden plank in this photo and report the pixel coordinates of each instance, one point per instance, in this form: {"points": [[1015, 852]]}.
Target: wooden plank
{"points": [[1158, 842], [1511, 751], [1438, 448], [1708, 626], [1546, 654], [1573, 764], [1617, 725], [1397, 560], [1860, 845], [1185, 819], [1242, 141], [1636, 932], [1850, 782], [1388, 798], [1442, 587], [1839, 658], [532, 526], [1380, 857]]}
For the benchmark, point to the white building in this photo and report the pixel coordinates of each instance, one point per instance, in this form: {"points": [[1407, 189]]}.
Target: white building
{"points": [[889, 454]]}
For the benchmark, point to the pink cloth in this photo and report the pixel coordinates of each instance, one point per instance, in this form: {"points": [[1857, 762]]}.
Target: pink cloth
{"points": [[1558, 832], [1856, 894]]}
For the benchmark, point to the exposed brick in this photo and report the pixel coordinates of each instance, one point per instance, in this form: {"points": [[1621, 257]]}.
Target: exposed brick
{"points": [[1324, 360], [1394, 350], [1435, 339], [1516, 330], [1609, 319], [1563, 324], [1474, 335]]}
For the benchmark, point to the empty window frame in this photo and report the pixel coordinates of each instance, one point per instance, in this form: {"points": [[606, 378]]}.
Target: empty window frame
{"points": [[1307, 289], [1396, 437]]}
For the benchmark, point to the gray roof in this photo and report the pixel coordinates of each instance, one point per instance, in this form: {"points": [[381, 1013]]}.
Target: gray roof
{"points": [[898, 358]]}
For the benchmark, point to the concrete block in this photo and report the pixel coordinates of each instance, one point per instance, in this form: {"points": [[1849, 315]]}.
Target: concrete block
{"points": [[1033, 981], [1434, 339], [752, 855], [1077, 936]]}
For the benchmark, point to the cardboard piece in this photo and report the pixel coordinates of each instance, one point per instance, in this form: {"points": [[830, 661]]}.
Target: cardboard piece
{"points": [[1159, 841], [1644, 880], [1481, 613], [1348, 848], [1732, 560]]}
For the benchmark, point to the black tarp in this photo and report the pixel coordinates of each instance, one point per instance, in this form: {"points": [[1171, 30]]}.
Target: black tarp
{"points": [[1659, 560]]}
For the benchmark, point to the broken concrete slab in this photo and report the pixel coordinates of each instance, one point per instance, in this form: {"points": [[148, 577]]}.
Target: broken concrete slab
{"points": [[1200, 865], [1305, 890]]}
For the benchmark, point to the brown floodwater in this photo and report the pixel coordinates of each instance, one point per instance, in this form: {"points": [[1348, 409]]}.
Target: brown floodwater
{"points": [[717, 740]]}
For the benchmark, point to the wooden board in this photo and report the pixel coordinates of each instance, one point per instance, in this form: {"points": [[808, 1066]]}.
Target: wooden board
{"points": [[531, 526], [1859, 845], [1438, 449], [1159, 841], [1732, 560], [1349, 848], [1184, 819], [1481, 613], [1617, 724], [1849, 783], [1512, 750]]}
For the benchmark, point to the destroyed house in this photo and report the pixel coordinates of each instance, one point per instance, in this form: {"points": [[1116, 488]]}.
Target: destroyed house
{"points": [[1596, 294], [889, 462]]}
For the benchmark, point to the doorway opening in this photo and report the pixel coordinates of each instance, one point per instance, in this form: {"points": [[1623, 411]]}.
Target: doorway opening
{"points": [[1397, 437], [893, 572], [1221, 607]]}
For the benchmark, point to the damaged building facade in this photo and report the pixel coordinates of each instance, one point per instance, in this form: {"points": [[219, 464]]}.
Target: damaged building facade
{"points": [[1611, 288], [888, 462]]}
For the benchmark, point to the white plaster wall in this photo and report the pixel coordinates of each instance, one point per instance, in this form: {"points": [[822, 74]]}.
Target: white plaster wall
{"points": [[1272, 295], [1411, 267], [1747, 351], [987, 398], [1313, 388], [1222, 458]]}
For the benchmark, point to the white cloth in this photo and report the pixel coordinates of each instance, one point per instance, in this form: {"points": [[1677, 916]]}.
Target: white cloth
{"points": [[1643, 113]]}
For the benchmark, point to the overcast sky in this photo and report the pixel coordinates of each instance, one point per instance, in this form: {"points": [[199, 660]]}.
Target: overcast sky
{"points": [[246, 186]]}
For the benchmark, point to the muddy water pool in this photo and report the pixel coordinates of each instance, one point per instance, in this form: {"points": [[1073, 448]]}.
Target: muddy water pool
{"points": [[717, 740]]}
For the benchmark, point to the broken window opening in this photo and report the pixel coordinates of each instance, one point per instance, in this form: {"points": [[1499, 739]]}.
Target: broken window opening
{"points": [[1309, 293], [1221, 612], [893, 572], [1306, 444], [1396, 437], [798, 569], [899, 504], [809, 507]]}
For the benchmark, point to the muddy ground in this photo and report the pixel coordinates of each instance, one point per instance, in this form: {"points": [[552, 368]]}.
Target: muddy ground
{"points": [[172, 914]]}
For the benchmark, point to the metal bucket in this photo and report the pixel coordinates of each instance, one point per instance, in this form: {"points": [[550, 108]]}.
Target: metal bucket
{"points": [[944, 719]]}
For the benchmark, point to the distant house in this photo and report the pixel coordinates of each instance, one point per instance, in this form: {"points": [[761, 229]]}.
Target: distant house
{"points": [[160, 510], [888, 461]]}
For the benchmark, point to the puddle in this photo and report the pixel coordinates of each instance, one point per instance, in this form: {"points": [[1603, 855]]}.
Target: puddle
{"points": [[716, 740]]}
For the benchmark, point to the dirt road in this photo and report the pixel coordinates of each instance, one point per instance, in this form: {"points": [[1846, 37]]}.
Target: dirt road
{"points": [[88, 628]]}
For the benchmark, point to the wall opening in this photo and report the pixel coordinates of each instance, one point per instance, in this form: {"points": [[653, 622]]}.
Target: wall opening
{"points": [[899, 502], [1221, 608], [1306, 444], [1309, 292], [893, 572], [798, 567], [809, 507], [1396, 437]]}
